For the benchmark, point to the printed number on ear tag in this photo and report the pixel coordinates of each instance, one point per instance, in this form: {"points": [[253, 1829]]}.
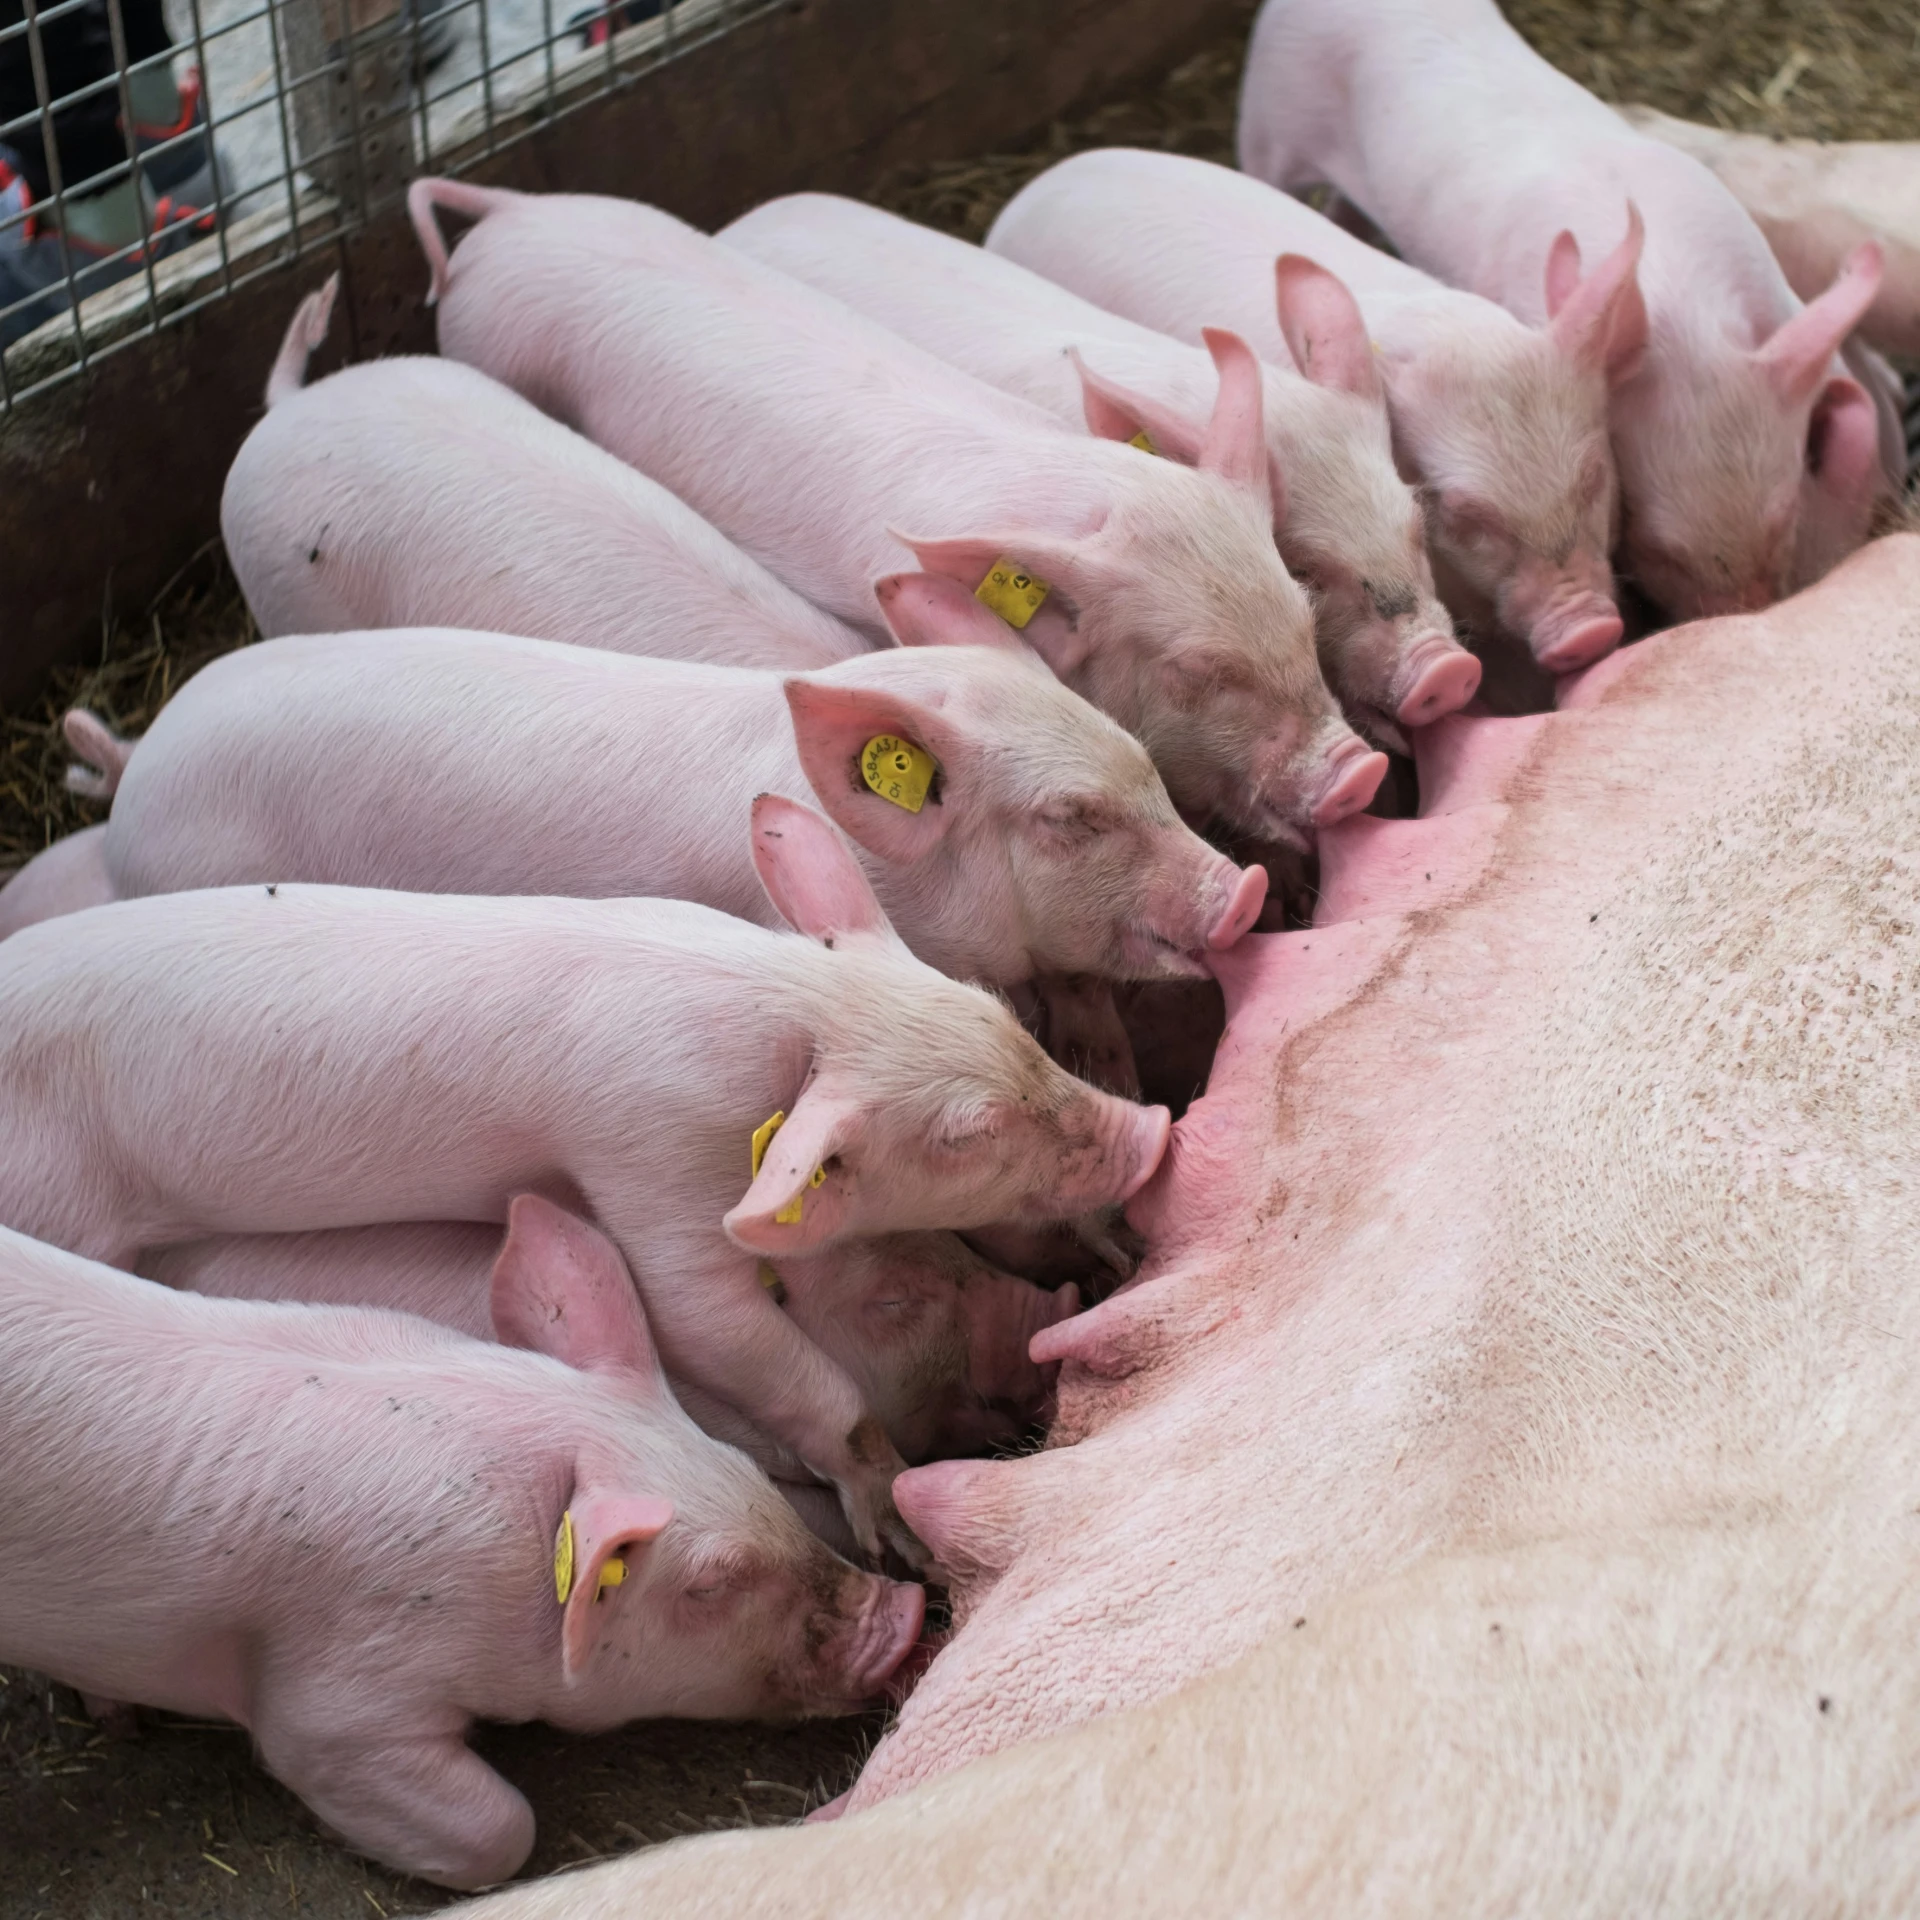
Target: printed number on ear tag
{"points": [[563, 1559], [1144, 441], [897, 770], [1012, 592]]}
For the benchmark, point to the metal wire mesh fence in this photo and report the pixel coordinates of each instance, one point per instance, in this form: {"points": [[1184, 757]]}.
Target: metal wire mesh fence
{"points": [[155, 155]]}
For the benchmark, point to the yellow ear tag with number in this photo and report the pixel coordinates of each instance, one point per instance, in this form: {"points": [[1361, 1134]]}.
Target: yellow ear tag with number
{"points": [[612, 1572], [1012, 592], [897, 770], [1144, 441], [563, 1558]]}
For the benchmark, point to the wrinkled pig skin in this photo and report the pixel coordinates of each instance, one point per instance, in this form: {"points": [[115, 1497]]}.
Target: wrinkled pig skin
{"points": [[1344, 520], [1521, 1389], [1816, 200], [829, 448], [337, 1527], [1751, 459]]}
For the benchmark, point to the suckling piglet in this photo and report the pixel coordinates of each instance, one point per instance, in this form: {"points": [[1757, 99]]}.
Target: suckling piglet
{"points": [[1010, 830], [1750, 457], [355, 1532]]}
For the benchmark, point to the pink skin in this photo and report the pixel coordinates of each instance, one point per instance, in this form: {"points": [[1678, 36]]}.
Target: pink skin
{"points": [[1502, 427], [69, 875], [1750, 458], [935, 1337], [1168, 607], [1344, 521], [636, 1087], [355, 1592], [476, 763], [413, 491]]}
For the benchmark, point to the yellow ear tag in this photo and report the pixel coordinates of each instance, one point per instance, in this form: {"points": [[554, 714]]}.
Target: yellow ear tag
{"points": [[772, 1281], [762, 1134], [1011, 592], [563, 1559], [612, 1572], [1144, 441], [897, 770]]}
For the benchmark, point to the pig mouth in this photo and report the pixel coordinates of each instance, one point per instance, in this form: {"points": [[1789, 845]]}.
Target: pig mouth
{"points": [[1148, 954]]}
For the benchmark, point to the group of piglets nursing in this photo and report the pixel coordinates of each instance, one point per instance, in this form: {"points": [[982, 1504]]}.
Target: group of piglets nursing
{"points": [[611, 1036]]}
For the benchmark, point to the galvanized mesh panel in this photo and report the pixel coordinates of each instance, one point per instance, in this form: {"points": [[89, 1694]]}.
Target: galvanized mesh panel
{"points": [[294, 121]]}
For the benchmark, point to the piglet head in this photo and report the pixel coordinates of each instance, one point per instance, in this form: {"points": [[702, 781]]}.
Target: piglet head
{"points": [[1174, 616], [680, 1581], [927, 1103], [1748, 474], [1355, 536], [935, 1337], [1506, 427], [1046, 841]]}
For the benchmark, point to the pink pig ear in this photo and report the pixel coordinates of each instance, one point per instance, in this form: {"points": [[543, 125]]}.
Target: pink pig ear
{"points": [[1843, 441], [1236, 442], [813, 881], [1324, 328], [1115, 412], [799, 1198], [605, 1529], [936, 610], [832, 726], [1070, 566], [560, 1287], [1799, 354], [1599, 321]]}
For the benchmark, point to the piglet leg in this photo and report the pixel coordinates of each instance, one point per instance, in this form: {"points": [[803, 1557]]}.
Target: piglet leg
{"points": [[423, 1803]]}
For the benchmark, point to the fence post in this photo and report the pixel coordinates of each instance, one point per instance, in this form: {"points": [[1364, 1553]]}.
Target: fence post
{"points": [[349, 66]]}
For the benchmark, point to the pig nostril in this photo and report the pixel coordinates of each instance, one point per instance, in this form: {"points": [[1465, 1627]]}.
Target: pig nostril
{"points": [[1242, 909], [1356, 779], [1447, 680], [1583, 644]]}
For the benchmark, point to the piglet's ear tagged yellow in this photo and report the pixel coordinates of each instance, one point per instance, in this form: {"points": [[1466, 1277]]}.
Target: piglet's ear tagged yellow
{"points": [[563, 1559], [897, 770], [1012, 592]]}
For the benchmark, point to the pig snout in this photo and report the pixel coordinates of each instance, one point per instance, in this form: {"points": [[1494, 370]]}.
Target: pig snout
{"points": [[1349, 778], [1245, 891], [1198, 907], [878, 1627], [1568, 614], [1437, 677], [1310, 783], [1110, 1148]]}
